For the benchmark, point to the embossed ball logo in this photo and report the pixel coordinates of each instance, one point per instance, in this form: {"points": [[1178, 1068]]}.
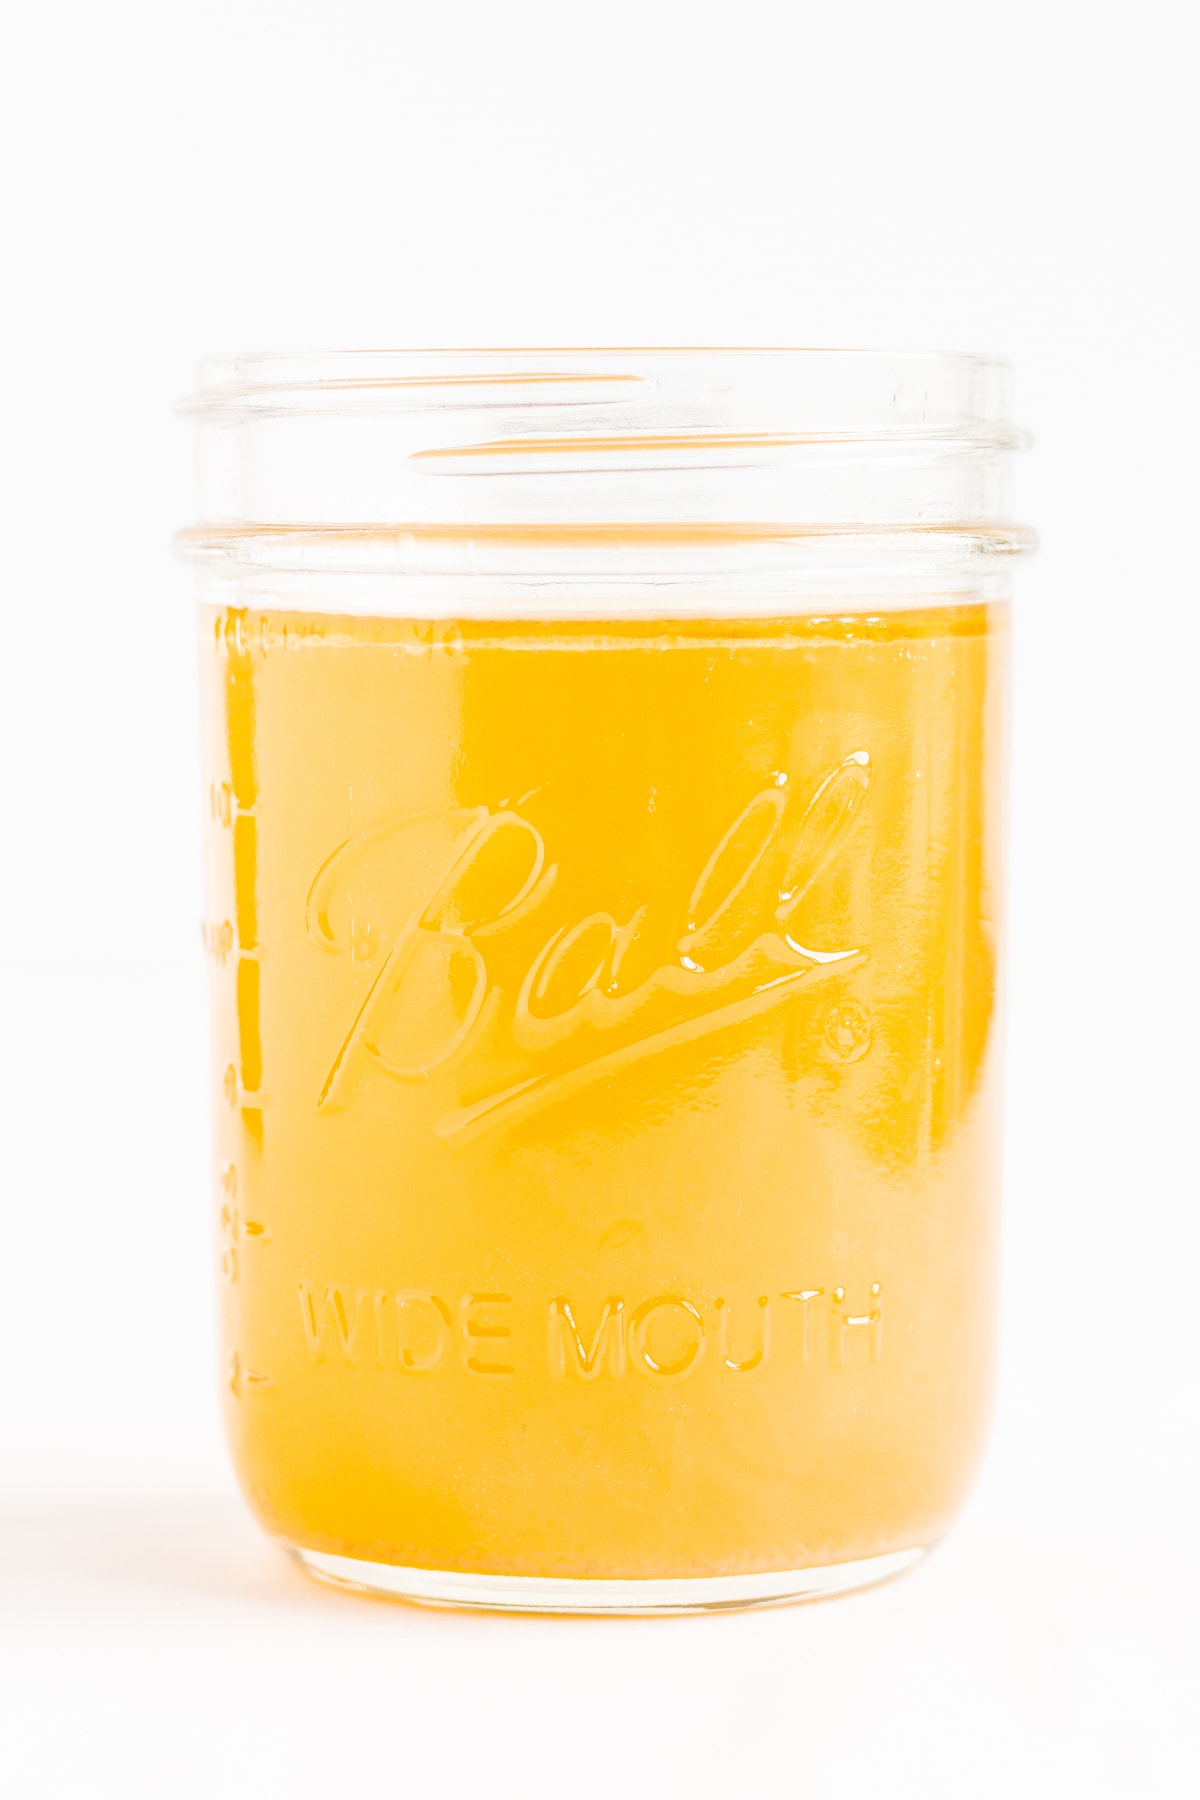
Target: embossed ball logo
{"points": [[848, 1030], [579, 1005]]}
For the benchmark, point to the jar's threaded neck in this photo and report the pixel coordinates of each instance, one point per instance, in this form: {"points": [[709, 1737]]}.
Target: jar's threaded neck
{"points": [[606, 463]]}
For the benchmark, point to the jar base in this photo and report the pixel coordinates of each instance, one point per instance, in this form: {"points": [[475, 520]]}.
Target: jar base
{"points": [[540, 1594]]}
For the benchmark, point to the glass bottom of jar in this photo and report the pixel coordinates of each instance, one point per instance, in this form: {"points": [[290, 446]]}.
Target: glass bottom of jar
{"points": [[541, 1594]]}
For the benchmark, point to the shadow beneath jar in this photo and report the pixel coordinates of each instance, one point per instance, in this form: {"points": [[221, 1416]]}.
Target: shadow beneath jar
{"points": [[174, 1547]]}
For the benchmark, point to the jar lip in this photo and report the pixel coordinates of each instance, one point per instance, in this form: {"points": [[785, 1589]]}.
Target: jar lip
{"points": [[867, 389], [601, 554]]}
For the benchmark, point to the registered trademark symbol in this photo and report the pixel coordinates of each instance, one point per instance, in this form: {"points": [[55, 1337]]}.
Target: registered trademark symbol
{"points": [[848, 1030]]}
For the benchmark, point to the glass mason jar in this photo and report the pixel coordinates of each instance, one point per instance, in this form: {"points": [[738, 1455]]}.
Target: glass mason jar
{"points": [[604, 763]]}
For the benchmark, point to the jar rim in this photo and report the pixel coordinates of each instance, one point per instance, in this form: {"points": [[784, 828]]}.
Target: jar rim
{"points": [[352, 452], [967, 388]]}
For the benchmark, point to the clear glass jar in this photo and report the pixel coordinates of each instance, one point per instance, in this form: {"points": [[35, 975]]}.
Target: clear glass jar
{"points": [[605, 759]]}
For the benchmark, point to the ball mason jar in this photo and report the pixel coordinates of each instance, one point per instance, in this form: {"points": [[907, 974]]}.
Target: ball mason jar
{"points": [[604, 773]]}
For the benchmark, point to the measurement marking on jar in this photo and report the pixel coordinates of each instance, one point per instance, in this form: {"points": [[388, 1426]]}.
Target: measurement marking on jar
{"points": [[235, 1230], [241, 1379], [220, 803], [217, 936], [248, 1098]]}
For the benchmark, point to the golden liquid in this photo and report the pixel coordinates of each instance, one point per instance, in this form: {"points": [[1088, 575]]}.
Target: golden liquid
{"points": [[606, 1085]]}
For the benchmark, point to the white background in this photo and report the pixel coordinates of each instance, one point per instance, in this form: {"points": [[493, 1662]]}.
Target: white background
{"points": [[304, 174]]}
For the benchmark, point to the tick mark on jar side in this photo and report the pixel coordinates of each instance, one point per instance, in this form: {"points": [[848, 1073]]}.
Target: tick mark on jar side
{"points": [[241, 1378]]}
